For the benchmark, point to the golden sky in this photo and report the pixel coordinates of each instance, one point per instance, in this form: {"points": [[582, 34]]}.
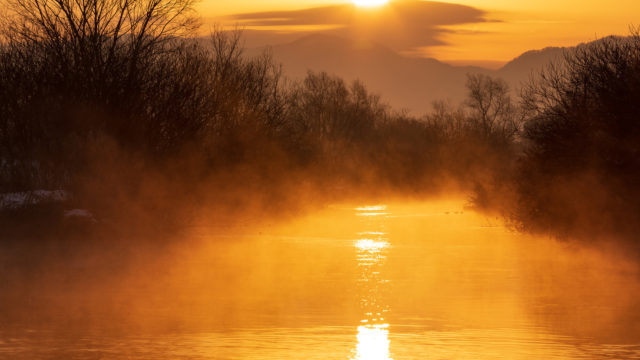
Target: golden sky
{"points": [[462, 31]]}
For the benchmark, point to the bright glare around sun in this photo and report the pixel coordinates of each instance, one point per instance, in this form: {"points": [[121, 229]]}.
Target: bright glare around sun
{"points": [[370, 3]]}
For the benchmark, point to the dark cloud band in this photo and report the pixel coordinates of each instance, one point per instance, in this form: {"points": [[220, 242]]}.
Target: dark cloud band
{"points": [[403, 25]]}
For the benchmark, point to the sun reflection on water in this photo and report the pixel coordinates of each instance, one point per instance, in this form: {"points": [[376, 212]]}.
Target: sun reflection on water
{"points": [[371, 246], [373, 342], [371, 208], [375, 210]]}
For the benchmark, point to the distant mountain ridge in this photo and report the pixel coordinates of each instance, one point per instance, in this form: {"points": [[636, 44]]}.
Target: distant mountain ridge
{"points": [[404, 82]]}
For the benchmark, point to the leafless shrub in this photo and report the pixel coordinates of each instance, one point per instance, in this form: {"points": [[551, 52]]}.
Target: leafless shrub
{"points": [[580, 173]]}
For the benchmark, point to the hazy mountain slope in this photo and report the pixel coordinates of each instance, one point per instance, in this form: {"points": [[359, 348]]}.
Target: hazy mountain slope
{"points": [[404, 82], [531, 62]]}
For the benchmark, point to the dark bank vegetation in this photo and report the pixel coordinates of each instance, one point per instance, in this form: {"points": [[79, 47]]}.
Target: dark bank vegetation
{"points": [[113, 103], [116, 104], [565, 159], [580, 173]]}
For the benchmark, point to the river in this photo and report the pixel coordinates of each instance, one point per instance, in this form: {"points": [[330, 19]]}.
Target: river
{"points": [[428, 280]]}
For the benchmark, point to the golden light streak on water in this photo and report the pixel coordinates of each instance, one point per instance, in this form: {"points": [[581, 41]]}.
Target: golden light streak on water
{"points": [[371, 208], [373, 336], [373, 342], [427, 280], [370, 245]]}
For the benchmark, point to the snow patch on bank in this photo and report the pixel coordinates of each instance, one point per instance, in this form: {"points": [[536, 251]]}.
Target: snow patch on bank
{"points": [[18, 200], [80, 213]]}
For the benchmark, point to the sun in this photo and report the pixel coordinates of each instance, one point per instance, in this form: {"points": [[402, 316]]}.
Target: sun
{"points": [[369, 3]]}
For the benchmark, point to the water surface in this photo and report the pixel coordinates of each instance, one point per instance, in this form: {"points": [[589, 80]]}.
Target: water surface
{"points": [[370, 281]]}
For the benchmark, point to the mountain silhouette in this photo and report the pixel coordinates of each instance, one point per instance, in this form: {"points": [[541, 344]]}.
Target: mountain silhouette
{"points": [[408, 83]]}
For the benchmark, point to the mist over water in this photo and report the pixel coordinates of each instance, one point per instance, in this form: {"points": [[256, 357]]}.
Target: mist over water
{"points": [[162, 197], [352, 281]]}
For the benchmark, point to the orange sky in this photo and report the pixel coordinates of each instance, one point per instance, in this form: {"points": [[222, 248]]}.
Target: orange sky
{"points": [[507, 29]]}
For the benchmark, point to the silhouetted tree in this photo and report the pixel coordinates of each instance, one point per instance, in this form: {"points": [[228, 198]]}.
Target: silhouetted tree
{"points": [[480, 138], [326, 107], [71, 70], [493, 115], [581, 169]]}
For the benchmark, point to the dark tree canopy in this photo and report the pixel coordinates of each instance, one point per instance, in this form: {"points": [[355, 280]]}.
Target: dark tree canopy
{"points": [[581, 170]]}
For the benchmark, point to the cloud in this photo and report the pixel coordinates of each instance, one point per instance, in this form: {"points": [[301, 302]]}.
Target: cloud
{"points": [[402, 25]]}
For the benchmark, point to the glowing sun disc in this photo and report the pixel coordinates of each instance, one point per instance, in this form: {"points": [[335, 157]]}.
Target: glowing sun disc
{"points": [[370, 2]]}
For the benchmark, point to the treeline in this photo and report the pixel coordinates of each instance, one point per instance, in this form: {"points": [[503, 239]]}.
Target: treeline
{"points": [[126, 115], [113, 102]]}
